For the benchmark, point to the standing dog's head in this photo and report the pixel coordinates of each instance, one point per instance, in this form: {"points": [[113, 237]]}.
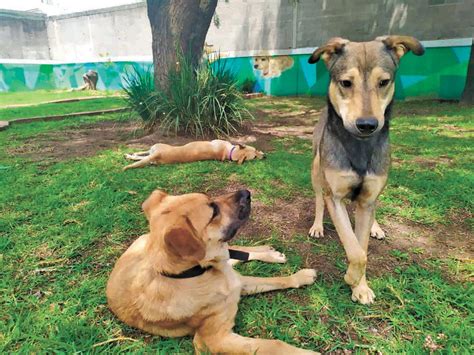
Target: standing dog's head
{"points": [[245, 152], [363, 78], [194, 226]]}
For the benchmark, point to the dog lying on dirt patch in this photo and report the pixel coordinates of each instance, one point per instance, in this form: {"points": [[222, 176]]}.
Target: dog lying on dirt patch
{"points": [[351, 145], [177, 279], [272, 67], [195, 151]]}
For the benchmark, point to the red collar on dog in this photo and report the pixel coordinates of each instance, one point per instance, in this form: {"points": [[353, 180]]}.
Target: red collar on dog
{"points": [[198, 270], [231, 151]]}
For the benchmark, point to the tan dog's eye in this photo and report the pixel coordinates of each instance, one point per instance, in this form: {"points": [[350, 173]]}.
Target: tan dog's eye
{"points": [[383, 83], [263, 59], [215, 210]]}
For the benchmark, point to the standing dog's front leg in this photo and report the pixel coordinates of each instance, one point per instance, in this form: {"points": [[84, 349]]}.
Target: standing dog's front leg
{"points": [[317, 229], [364, 222], [356, 255], [364, 219]]}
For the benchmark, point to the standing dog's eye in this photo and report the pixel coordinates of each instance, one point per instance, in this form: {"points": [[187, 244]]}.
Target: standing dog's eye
{"points": [[215, 210], [345, 83], [383, 83]]}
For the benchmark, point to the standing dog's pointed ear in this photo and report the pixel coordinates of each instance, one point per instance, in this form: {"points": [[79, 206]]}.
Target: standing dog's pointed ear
{"points": [[181, 241], [153, 201], [400, 45], [334, 46]]}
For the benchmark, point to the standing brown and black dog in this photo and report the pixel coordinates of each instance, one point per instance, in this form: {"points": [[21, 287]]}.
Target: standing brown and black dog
{"points": [[351, 143]]}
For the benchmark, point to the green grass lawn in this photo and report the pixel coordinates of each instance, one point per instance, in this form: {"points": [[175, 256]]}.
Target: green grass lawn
{"points": [[64, 223], [42, 110], [39, 96]]}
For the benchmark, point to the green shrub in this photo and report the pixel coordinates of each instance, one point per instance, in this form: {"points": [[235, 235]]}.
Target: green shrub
{"points": [[138, 90], [202, 101], [248, 86]]}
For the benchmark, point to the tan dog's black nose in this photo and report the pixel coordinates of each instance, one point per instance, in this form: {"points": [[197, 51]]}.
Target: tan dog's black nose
{"points": [[367, 125], [243, 198], [255, 66]]}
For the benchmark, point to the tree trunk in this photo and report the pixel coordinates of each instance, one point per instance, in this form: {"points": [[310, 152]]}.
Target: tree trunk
{"points": [[468, 95], [181, 24]]}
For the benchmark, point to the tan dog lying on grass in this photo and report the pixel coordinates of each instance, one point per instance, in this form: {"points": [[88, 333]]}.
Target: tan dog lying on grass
{"points": [[177, 279], [195, 151]]}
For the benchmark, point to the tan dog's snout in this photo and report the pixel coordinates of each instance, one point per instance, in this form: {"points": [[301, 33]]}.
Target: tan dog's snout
{"points": [[239, 206]]}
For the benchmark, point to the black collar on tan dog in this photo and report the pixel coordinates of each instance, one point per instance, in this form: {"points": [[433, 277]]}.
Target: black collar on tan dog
{"points": [[198, 270]]}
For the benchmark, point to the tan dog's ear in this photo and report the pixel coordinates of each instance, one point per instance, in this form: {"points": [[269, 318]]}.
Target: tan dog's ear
{"points": [[334, 46], [153, 201], [241, 146], [182, 241], [400, 45]]}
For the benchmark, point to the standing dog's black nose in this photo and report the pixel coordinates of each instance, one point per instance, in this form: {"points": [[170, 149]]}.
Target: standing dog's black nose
{"points": [[256, 66], [367, 125]]}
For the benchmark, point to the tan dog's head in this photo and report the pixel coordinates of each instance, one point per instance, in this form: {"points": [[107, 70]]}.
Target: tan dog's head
{"points": [[362, 78], [245, 152], [194, 226]]}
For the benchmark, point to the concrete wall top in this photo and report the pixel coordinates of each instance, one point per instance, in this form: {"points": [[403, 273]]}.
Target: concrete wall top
{"points": [[23, 35], [239, 26], [104, 33]]}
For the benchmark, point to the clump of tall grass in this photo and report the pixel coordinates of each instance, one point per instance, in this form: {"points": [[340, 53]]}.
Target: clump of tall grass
{"points": [[201, 101], [138, 87]]}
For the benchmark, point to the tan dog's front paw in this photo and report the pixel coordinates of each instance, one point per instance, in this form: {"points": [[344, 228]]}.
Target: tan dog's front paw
{"points": [[377, 232], [316, 231], [363, 294], [274, 257], [304, 277]]}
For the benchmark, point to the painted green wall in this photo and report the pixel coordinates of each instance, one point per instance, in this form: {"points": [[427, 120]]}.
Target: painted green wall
{"points": [[439, 73]]}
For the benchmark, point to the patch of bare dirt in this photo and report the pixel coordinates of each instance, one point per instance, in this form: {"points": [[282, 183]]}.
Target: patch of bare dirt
{"points": [[413, 243], [298, 123], [80, 142], [87, 140], [432, 162]]}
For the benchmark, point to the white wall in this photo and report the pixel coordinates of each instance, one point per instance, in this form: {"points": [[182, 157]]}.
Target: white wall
{"points": [[112, 32], [23, 36], [124, 31]]}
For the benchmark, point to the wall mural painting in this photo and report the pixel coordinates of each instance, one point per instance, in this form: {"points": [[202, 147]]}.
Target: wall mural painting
{"points": [[440, 73]]}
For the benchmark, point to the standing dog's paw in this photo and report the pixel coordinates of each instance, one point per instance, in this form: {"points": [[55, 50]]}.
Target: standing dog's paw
{"points": [[304, 277], [363, 294], [316, 231], [377, 232]]}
